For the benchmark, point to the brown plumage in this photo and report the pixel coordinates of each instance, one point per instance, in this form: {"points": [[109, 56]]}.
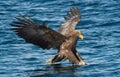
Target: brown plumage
{"points": [[64, 40]]}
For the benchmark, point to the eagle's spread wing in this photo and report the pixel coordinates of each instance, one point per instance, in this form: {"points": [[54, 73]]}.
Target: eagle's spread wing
{"points": [[72, 18], [34, 33]]}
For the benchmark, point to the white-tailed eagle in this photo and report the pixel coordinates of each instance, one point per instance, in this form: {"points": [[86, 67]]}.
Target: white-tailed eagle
{"points": [[41, 35]]}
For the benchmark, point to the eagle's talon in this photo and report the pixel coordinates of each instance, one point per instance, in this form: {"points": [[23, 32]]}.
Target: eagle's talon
{"points": [[83, 63]]}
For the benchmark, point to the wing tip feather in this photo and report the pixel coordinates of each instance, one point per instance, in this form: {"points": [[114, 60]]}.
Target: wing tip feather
{"points": [[73, 13]]}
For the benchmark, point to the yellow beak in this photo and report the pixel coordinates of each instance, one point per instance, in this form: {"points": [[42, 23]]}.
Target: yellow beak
{"points": [[81, 36]]}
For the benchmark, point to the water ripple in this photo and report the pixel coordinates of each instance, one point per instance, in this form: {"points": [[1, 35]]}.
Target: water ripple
{"points": [[100, 24]]}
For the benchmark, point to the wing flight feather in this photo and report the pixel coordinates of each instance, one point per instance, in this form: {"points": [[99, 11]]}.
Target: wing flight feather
{"points": [[34, 33], [72, 18]]}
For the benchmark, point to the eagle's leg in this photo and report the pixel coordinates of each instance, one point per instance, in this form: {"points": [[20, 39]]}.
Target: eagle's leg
{"points": [[71, 56], [78, 56], [75, 58], [80, 59], [57, 58]]}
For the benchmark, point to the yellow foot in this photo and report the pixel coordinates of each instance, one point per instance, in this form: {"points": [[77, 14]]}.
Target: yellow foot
{"points": [[83, 63]]}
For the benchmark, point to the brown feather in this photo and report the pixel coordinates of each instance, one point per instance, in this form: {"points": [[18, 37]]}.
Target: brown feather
{"points": [[65, 40], [34, 33]]}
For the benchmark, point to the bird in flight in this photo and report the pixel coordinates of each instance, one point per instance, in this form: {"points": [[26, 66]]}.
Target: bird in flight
{"points": [[43, 36]]}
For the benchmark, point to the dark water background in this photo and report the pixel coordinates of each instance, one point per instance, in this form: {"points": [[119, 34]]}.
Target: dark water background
{"points": [[100, 24]]}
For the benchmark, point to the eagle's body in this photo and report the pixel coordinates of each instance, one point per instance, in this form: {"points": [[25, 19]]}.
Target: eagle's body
{"points": [[68, 51], [64, 40]]}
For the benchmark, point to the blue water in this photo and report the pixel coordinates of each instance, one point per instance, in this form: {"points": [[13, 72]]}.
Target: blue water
{"points": [[100, 24]]}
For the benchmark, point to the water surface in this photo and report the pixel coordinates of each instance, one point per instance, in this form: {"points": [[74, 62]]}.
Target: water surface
{"points": [[100, 24]]}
